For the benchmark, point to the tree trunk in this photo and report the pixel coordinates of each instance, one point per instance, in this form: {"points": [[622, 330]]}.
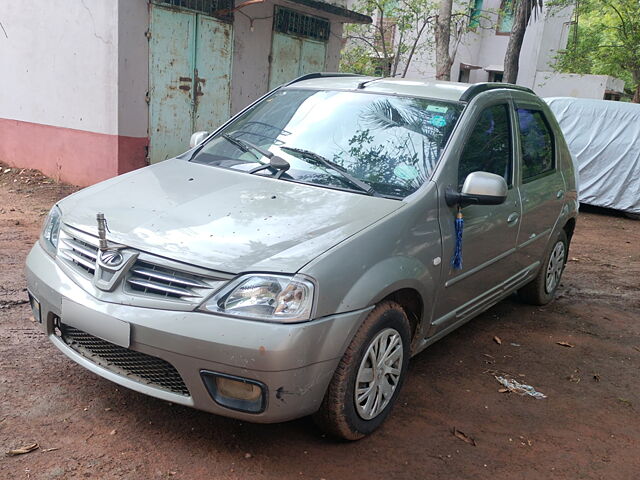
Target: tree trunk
{"points": [[443, 36], [512, 56], [636, 80]]}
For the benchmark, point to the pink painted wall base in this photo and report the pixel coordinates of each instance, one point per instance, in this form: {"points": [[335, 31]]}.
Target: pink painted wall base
{"points": [[69, 155]]}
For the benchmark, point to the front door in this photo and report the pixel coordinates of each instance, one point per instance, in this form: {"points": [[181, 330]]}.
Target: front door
{"points": [[189, 78], [490, 231], [298, 46]]}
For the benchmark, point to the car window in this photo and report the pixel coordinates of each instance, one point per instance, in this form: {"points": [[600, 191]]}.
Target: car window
{"points": [[488, 148], [536, 141], [393, 143]]}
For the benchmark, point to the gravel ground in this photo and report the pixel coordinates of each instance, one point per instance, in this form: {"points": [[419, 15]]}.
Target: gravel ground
{"points": [[587, 428]]}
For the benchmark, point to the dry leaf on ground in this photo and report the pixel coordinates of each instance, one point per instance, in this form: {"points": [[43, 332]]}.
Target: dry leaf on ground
{"points": [[497, 340], [24, 449], [565, 344], [463, 436]]}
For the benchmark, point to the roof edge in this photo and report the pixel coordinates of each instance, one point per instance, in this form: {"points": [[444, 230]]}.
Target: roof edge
{"points": [[355, 17]]}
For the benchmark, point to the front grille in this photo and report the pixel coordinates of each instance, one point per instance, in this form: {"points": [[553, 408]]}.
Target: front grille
{"points": [[151, 279], [80, 253], [137, 366]]}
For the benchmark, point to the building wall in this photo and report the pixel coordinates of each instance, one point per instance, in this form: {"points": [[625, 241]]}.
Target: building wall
{"points": [[552, 84], [62, 110], [76, 80], [252, 50]]}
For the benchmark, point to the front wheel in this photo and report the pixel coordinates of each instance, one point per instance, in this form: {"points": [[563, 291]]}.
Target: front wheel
{"points": [[369, 376], [542, 289]]}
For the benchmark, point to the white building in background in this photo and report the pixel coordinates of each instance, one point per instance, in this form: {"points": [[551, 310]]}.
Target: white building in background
{"points": [[480, 55]]}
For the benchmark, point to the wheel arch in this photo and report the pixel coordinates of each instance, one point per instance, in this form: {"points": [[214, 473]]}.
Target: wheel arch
{"points": [[569, 227]]}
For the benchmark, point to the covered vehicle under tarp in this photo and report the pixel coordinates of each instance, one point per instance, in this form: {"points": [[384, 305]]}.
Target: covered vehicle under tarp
{"points": [[604, 139]]}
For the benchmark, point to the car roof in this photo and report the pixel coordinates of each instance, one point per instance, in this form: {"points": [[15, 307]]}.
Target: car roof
{"points": [[435, 89]]}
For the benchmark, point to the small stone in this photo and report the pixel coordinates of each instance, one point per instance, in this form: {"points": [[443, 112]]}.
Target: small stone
{"points": [[247, 455]]}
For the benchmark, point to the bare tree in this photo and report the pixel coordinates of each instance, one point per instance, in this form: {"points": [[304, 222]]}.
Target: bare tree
{"points": [[523, 11], [390, 43], [444, 60]]}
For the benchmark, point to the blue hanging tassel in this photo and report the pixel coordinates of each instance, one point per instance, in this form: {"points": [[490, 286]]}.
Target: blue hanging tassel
{"points": [[456, 260]]}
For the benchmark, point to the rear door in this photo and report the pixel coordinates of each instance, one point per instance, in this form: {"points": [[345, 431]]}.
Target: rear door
{"points": [[542, 187], [490, 231]]}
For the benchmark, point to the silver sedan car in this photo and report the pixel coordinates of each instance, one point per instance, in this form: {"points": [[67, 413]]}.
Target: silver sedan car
{"points": [[292, 261]]}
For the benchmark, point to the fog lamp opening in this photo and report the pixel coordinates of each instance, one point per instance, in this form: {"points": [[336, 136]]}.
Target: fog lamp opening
{"points": [[237, 393]]}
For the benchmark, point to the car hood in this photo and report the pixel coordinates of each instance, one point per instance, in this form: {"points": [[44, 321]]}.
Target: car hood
{"points": [[223, 219]]}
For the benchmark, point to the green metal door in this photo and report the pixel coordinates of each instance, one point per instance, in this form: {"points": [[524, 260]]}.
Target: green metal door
{"points": [[189, 77], [293, 56]]}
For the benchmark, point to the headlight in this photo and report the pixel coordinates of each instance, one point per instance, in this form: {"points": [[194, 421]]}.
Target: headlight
{"points": [[51, 231], [270, 298]]}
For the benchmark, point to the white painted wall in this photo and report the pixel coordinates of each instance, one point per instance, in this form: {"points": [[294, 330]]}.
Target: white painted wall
{"points": [[59, 63], [80, 64], [552, 84], [133, 68]]}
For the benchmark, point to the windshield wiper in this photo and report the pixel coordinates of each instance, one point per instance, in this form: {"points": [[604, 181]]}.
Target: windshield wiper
{"points": [[246, 147], [363, 186], [279, 164]]}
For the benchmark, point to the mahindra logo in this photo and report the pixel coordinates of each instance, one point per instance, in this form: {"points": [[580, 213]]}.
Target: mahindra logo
{"points": [[111, 258]]}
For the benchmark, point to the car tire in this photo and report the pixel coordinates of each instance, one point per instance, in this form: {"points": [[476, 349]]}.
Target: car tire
{"points": [[341, 415], [542, 288]]}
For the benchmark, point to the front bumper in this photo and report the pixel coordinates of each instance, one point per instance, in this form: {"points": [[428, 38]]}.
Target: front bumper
{"points": [[294, 362]]}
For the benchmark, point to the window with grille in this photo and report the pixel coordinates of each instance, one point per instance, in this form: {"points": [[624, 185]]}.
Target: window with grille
{"points": [[215, 8], [301, 25]]}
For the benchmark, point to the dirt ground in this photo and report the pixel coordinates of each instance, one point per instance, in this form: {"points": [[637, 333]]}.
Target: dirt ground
{"points": [[588, 427]]}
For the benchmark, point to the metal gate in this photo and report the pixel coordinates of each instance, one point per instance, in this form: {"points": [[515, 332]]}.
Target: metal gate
{"points": [[298, 45], [190, 56]]}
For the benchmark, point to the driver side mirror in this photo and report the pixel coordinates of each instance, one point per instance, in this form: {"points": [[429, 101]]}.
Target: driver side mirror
{"points": [[197, 138], [479, 188]]}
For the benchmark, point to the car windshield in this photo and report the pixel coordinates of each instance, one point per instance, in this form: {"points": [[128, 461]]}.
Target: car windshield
{"points": [[387, 142]]}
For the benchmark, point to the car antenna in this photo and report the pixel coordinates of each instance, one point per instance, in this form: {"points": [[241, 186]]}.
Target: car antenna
{"points": [[361, 85]]}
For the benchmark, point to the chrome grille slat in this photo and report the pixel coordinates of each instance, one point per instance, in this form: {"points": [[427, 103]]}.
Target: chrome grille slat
{"points": [[80, 247], [80, 259], [173, 278], [150, 279], [162, 281], [161, 287], [135, 365]]}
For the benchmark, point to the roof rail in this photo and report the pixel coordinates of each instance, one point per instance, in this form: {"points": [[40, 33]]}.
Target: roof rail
{"points": [[479, 88], [310, 76]]}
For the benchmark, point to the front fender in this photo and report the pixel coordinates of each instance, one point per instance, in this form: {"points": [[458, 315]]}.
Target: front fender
{"points": [[389, 276]]}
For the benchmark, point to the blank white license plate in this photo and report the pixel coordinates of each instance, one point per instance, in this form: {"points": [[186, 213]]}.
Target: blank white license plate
{"points": [[96, 323]]}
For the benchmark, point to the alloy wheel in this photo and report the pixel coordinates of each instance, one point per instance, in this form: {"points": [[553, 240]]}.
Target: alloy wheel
{"points": [[554, 268], [379, 373]]}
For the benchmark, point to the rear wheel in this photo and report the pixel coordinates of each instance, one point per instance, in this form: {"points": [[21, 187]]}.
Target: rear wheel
{"points": [[542, 289], [369, 376]]}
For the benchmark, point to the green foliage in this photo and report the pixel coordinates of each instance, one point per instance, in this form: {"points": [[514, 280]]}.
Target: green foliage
{"points": [[605, 41], [398, 32]]}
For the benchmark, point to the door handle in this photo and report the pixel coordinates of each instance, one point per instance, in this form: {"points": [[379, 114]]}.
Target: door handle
{"points": [[513, 218], [560, 194]]}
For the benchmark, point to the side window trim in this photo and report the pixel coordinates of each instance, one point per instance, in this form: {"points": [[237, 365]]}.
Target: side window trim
{"points": [[554, 144]]}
